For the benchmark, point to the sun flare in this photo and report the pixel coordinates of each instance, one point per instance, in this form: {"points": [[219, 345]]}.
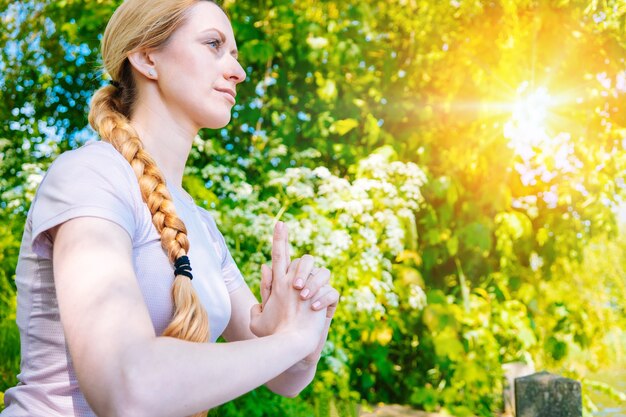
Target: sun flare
{"points": [[526, 128]]}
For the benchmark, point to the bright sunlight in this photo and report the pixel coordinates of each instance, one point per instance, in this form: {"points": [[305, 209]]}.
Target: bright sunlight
{"points": [[526, 129]]}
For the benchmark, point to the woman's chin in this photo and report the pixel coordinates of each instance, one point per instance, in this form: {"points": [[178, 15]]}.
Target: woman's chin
{"points": [[216, 122]]}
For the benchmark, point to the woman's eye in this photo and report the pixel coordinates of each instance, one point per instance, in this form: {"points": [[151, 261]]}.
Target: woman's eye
{"points": [[214, 43]]}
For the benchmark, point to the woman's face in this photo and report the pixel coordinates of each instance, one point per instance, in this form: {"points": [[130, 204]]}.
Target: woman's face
{"points": [[198, 61]]}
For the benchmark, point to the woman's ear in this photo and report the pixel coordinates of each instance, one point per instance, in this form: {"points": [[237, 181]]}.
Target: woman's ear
{"points": [[143, 62]]}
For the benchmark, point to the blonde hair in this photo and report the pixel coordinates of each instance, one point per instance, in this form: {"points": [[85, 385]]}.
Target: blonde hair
{"points": [[134, 26]]}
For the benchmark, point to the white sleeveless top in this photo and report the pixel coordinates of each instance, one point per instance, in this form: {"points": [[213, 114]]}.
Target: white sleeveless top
{"points": [[96, 181]]}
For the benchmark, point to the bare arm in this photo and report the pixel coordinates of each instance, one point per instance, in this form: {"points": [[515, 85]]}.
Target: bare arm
{"points": [[123, 368]]}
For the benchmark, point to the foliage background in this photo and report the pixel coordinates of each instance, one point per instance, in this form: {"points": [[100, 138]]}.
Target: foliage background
{"points": [[458, 165]]}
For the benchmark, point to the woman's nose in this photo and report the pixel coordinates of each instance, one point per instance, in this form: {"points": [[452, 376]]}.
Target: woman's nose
{"points": [[235, 71]]}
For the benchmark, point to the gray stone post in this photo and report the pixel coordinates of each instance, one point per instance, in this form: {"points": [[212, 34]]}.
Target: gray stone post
{"points": [[546, 395]]}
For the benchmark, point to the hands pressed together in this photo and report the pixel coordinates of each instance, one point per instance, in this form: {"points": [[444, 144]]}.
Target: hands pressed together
{"points": [[295, 296]]}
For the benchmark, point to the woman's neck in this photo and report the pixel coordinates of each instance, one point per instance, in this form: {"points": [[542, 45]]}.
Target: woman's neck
{"points": [[167, 141]]}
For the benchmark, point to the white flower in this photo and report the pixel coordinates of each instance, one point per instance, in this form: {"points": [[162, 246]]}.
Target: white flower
{"points": [[300, 191], [341, 239], [300, 231], [346, 220], [370, 259], [417, 297], [334, 186], [322, 172], [536, 261], [244, 190], [369, 235], [365, 301], [551, 198]]}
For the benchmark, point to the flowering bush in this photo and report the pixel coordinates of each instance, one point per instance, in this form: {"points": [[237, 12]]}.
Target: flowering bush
{"points": [[360, 227]]}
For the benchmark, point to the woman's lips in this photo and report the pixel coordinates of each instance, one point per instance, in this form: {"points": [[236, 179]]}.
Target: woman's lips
{"points": [[229, 94]]}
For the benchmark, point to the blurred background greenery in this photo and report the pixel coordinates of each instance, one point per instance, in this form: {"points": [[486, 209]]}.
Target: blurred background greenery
{"points": [[459, 165]]}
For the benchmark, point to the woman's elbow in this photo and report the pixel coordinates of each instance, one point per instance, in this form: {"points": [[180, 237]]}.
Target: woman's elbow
{"points": [[117, 397], [290, 391], [286, 392], [292, 394], [135, 394]]}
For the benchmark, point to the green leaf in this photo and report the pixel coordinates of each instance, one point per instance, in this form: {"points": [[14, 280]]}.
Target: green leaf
{"points": [[341, 127]]}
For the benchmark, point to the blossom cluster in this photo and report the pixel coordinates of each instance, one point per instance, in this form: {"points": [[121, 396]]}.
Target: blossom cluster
{"points": [[354, 226]]}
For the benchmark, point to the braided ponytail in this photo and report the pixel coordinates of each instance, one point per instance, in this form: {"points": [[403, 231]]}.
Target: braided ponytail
{"points": [[190, 321], [132, 27]]}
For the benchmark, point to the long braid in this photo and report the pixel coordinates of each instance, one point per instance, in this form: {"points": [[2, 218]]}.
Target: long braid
{"points": [[190, 320]]}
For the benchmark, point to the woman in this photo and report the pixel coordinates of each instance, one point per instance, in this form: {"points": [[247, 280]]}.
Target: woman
{"points": [[122, 279]]}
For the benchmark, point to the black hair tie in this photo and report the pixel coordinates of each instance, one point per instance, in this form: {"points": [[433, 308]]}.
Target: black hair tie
{"points": [[182, 267]]}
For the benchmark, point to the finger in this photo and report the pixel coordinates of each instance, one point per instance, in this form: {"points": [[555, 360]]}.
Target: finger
{"points": [[266, 283], [304, 269], [279, 257], [330, 310], [316, 280], [292, 270], [327, 299]]}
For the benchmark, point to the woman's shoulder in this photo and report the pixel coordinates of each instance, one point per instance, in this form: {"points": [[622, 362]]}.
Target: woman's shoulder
{"points": [[91, 181], [96, 169], [94, 161], [92, 153]]}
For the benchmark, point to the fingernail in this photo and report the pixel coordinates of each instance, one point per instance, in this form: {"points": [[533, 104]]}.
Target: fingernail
{"points": [[299, 283], [305, 292], [279, 226], [317, 304]]}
